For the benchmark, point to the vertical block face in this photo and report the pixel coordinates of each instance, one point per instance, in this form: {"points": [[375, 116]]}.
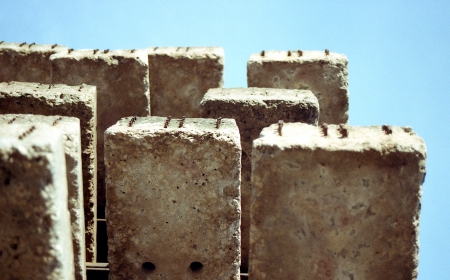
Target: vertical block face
{"points": [[62, 100], [70, 128], [180, 77], [26, 62], [324, 75], [121, 78], [253, 109], [336, 207], [35, 234], [173, 195]]}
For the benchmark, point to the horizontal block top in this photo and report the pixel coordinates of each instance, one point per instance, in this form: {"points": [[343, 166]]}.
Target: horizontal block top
{"points": [[107, 56], [191, 126], [358, 139], [67, 125], [53, 93], [27, 135], [306, 56], [188, 52], [259, 95], [29, 48]]}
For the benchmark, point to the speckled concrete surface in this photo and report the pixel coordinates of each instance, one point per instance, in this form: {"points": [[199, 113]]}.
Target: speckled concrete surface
{"points": [[121, 78], [335, 207], [62, 100], [35, 232], [253, 109], [173, 199], [324, 75], [180, 77], [70, 129]]}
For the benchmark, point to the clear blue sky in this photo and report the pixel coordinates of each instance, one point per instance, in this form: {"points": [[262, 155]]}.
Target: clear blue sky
{"points": [[398, 51]]}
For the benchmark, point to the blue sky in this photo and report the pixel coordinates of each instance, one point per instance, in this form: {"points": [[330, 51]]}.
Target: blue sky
{"points": [[398, 55]]}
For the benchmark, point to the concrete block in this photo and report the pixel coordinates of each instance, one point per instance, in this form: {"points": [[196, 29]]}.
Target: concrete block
{"points": [[70, 129], [180, 77], [35, 234], [341, 206], [173, 209], [121, 78], [253, 109], [26, 62], [325, 75], [62, 100]]}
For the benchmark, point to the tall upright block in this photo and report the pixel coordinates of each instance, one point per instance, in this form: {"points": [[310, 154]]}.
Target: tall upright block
{"points": [[323, 74], [62, 100], [35, 234], [173, 194], [70, 129], [26, 62], [336, 202], [180, 77], [121, 78], [253, 109]]}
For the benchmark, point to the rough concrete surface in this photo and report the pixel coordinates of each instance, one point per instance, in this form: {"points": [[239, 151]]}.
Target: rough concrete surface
{"points": [[325, 75], [173, 209], [26, 62], [62, 100], [35, 233], [121, 78], [180, 77], [70, 129], [253, 109], [335, 207]]}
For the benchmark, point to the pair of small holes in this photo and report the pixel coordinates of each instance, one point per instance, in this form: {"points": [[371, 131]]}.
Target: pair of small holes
{"points": [[195, 266]]}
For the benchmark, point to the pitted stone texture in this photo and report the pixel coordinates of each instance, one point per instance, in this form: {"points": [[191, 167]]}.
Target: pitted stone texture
{"points": [[35, 235], [70, 128], [62, 100], [180, 77], [121, 78], [173, 199], [253, 109], [26, 62], [324, 75], [333, 207]]}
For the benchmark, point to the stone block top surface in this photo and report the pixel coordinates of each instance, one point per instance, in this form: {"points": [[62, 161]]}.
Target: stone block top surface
{"points": [[31, 48], [189, 52], [309, 56], [110, 57]]}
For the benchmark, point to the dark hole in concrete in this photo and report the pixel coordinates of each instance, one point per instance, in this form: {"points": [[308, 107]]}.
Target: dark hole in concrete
{"points": [[148, 267], [7, 181], [196, 266]]}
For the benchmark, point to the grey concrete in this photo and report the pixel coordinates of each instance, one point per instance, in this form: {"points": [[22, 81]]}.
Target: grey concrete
{"points": [[173, 199], [324, 75], [253, 109], [180, 77], [35, 232], [341, 206], [62, 100], [70, 129]]}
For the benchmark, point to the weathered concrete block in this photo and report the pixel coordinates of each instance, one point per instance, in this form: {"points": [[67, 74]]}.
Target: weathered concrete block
{"points": [[35, 235], [180, 77], [121, 78], [70, 128], [173, 193], [325, 75], [336, 207], [253, 109], [62, 100], [27, 62]]}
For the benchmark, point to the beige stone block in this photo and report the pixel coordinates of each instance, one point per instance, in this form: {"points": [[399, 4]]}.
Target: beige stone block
{"points": [[62, 100], [173, 209], [341, 206], [253, 109], [26, 62], [121, 78], [35, 233], [180, 77], [70, 129], [324, 75]]}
